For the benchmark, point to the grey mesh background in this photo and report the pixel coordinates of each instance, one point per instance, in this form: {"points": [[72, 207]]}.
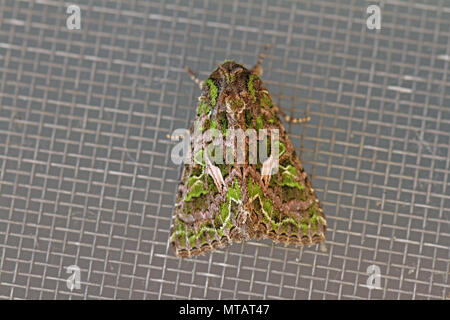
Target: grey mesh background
{"points": [[85, 172]]}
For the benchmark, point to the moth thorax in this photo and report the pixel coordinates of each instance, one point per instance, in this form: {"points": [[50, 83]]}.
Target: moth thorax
{"points": [[235, 105]]}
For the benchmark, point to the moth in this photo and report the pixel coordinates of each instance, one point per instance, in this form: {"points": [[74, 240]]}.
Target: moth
{"points": [[219, 202]]}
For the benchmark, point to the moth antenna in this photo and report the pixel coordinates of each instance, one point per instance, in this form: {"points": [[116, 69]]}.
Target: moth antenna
{"points": [[290, 119], [257, 69], [297, 120], [194, 77]]}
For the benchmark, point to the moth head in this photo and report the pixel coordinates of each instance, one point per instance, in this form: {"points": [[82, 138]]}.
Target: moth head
{"points": [[230, 71]]}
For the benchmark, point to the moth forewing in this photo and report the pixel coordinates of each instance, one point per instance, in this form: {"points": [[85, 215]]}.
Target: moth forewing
{"points": [[242, 187]]}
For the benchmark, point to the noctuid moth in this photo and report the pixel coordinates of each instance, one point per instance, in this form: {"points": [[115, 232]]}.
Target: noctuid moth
{"points": [[223, 197]]}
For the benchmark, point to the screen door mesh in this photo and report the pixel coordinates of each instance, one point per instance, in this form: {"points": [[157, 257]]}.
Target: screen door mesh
{"points": [[86, 178]]}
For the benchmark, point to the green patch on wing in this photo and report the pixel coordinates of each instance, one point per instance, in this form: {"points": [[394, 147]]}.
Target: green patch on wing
{"points": [[203, 107], [234, 192], [267, 210], [205, 233], [304, 226], [195, 187], [254, 190], [275, 221], [218, 225], [281, 148], [226, 217], [180, 232], [212, 186], [289, 175], [213, 124], [289, 222], [213, 91], [233, 196], [265, 204], [251, 86], [224, 213], [223, 123], [265, 101], [259, 123], [315, 217], [192, 238], [206, 229]]}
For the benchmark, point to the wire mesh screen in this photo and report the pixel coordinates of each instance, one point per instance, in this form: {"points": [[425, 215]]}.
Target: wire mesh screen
{"points": [[86, 177]]}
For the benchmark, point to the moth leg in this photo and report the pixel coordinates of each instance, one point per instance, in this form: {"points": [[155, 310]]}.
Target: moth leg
{"points": [[297, 120], [290, 119], [194, 77], [257, 69], [174, 138]]}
